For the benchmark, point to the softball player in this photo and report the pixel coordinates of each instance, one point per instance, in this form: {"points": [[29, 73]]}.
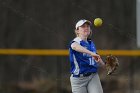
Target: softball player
{"points": [[84, 61]]}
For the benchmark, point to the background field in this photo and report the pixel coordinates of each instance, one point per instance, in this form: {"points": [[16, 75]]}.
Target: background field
{"points": [[31, 29]]}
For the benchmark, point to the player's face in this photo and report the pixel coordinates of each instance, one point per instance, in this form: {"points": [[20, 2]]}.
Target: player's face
{"points": [[84, 30]]}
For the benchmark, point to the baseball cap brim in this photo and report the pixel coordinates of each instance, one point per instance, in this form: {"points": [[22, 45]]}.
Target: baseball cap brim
{"points": [[81, 22]]}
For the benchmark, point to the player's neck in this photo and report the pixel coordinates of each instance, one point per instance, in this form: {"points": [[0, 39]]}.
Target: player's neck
{"points": [[83, 38]]}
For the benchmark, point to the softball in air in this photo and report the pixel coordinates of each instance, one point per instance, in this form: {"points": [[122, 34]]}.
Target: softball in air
{"points": [[98, 22]]}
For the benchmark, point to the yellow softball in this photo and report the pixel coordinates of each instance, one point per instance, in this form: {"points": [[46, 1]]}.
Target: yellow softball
{"points": [[98, 22]]}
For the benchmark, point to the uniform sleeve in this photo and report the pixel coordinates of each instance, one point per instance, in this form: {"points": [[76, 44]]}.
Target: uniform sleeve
{"points": [[71, 43], [75, 40]]}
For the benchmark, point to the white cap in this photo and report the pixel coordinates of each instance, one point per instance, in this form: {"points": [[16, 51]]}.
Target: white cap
{"points": [[81, 22]]}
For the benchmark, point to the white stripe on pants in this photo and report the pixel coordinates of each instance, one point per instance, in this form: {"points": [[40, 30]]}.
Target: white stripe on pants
{"points": [[89, 84]]}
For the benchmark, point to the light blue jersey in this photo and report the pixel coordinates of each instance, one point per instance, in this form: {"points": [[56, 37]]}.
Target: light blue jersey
{"points": [[81, 62]]}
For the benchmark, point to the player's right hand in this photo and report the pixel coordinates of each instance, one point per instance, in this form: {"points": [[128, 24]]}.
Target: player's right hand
{"points": [[96, 57]]}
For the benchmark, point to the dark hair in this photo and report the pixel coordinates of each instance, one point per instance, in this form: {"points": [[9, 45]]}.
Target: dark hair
{"points": [[90, 35]]}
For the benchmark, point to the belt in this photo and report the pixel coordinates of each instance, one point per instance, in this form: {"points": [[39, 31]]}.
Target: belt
{"points": [[82, 75]]}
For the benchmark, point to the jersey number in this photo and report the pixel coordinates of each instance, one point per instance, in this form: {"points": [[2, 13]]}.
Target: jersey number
{"points": [[91, 61]]}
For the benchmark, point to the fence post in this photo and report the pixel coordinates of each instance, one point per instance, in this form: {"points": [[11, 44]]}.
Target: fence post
{"points": [[59, 65], [131, 76]]}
